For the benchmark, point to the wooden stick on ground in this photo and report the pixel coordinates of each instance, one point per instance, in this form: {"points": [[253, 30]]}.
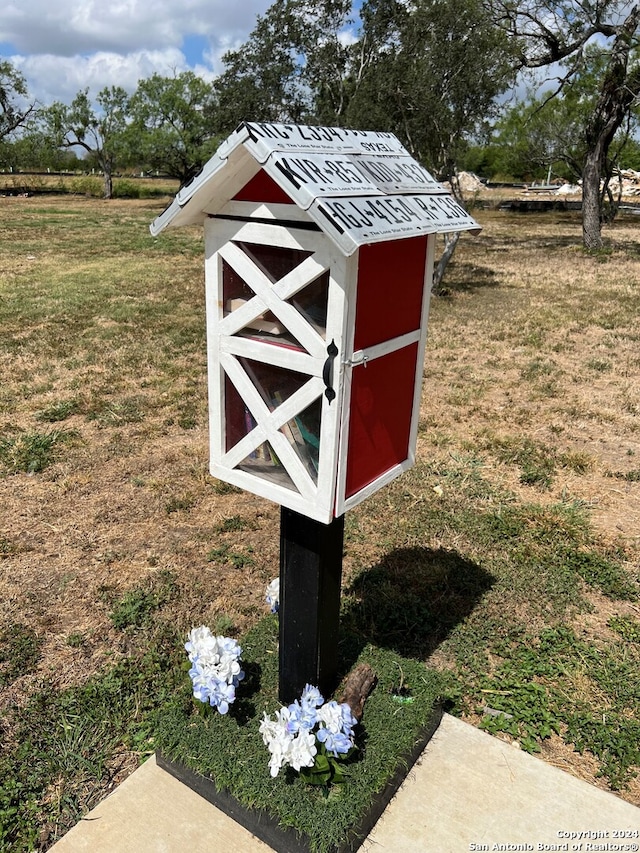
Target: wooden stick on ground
{"points": [[357, 687]]}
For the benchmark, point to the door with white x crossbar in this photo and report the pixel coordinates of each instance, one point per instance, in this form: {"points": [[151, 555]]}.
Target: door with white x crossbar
{"points": [[275, 328]]}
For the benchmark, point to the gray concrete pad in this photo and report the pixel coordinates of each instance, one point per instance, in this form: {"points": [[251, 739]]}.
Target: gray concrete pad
{"points": [[468, 792], [151, 812]]}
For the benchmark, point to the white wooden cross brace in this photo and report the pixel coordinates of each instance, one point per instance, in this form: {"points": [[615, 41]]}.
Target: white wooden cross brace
{"points": [[269, 423], [271, 297]]}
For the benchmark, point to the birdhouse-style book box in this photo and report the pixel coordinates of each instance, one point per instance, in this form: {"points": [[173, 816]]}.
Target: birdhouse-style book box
{"points": [[319, 250]]}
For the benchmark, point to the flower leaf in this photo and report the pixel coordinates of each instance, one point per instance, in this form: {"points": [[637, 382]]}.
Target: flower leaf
{"points": [[321, 764]]}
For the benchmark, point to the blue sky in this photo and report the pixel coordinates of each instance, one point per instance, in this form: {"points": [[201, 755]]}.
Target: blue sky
{"points": [[62, 46]]}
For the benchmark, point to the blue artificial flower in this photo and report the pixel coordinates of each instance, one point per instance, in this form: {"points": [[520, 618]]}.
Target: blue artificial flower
{"points": [[336, 743], [349, 721], [215, 671], [292, 736], [312, 696]]}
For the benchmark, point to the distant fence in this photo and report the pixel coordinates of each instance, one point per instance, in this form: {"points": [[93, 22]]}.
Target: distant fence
{"points": [[84, 183], [538, 205]]}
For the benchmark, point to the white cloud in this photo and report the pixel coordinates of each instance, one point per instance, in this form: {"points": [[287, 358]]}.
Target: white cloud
{"points": [[59, 78], [66, 45], [69, 27]]}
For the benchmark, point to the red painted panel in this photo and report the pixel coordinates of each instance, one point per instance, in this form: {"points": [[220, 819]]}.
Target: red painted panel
{"points": [[390, 286], [380, 416], [262, 188], [238, 421]]}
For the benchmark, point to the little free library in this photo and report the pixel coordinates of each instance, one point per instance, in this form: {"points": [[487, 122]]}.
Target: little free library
{"points": [[319, 248]]}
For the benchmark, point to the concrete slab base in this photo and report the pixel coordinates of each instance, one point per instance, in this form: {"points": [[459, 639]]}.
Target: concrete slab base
{"points": [[468, 792]]}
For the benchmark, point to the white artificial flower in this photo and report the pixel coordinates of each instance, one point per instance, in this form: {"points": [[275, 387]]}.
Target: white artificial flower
{"points": [[293, 736], [277, 739], [272, 595], [330, 714], [201, 643], [302, 750]]}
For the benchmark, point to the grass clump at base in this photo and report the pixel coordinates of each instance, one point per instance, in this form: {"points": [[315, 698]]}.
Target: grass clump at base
{"points": [[539, 688], [230, 750], [19, 652], [33, 451], [137, 606]]}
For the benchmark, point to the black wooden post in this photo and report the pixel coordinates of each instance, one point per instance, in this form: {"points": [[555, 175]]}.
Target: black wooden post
{"points": [[310, 575]]}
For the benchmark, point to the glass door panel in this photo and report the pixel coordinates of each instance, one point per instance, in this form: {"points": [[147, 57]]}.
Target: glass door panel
{"points": [[275, 384], [236, 294], [238, 419], [303, 431], [263, 462], [312, 302], [274, 261]]}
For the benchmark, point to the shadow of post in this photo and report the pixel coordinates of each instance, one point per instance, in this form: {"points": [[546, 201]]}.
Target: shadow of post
{"points": [[410, 601]]}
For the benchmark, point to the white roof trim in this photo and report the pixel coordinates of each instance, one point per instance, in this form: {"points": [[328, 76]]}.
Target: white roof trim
{"points": [[357, 186]]}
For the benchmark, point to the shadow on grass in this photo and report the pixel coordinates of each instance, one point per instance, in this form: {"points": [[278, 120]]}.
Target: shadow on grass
{"points": [[243, 709], [464, 277], [411, 601]]}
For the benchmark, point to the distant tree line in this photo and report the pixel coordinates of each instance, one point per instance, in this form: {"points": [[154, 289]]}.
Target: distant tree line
{"points": [[435, 72]]}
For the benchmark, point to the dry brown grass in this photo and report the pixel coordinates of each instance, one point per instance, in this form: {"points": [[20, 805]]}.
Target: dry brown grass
{"points": [[534, 340], [539, 339]]}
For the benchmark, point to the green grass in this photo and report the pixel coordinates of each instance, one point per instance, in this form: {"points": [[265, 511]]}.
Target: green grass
{"points": [[88, 185], [179, 503], [539, 688], [627, 627], [19, 652], [67, 742], [234, 524], [69, 739], [238, 558], [58, 411], [538, 463], [137, 606], [31, 451], [230, 749], [107, 289], [104, 324]]}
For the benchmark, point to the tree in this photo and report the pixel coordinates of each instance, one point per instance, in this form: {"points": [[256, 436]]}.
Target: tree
{"points": [[32, 150], [99, 131], [260, 80], [431, 72], [434, 70], [292, 68], [14, 110], [427, 70], [548, 131], [174, 124], [535, 137], [558, 34]]}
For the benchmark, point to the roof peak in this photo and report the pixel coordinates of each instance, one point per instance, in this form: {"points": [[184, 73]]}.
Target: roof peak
{"points": [[358, 186]]}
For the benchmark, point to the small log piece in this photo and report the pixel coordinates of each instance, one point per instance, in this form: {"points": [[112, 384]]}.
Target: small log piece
{"points": [[357, 687]]}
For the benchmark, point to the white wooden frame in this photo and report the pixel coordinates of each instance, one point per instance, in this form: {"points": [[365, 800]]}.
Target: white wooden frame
{"points": [[225, 349], [325, 499]]}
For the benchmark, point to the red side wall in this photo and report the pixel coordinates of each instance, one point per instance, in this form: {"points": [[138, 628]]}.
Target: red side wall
{"points": [[390, 284], [380, 417], [389, 304]]}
